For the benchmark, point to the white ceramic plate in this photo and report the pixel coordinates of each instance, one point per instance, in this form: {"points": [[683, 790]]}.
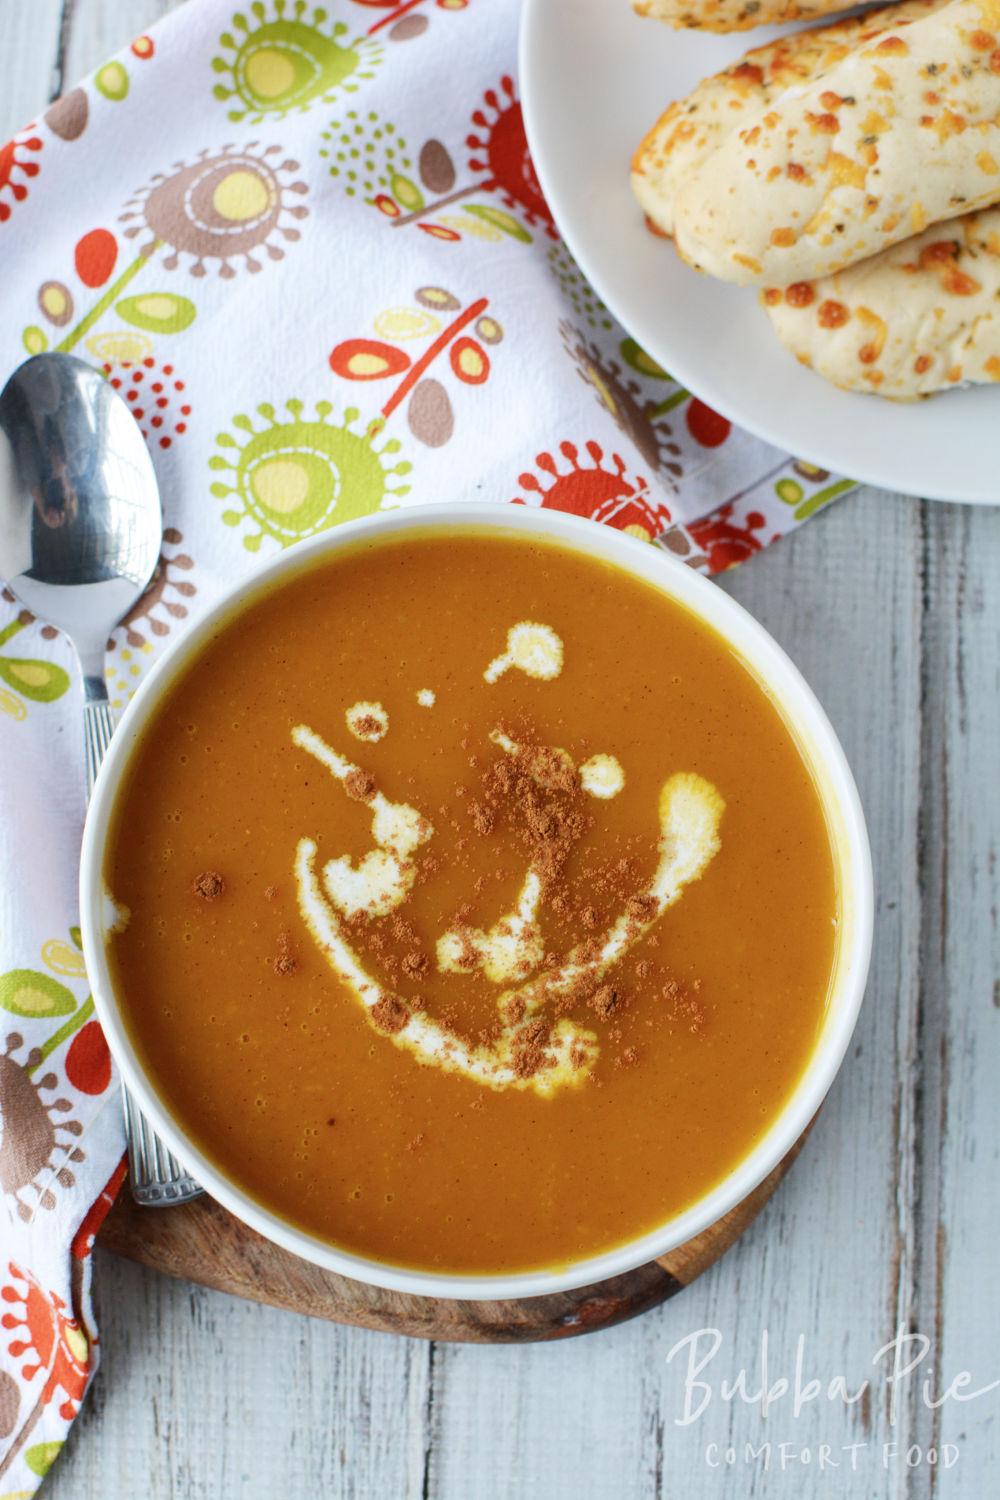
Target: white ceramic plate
{"points": [[594, 78]]}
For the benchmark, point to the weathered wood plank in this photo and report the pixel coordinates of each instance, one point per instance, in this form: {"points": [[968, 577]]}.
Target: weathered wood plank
{"points": [[29, 53], [96, 28], [956, 1206]]}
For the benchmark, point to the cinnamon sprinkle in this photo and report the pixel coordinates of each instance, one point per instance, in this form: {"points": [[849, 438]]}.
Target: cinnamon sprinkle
{"points": [[604, 1002], [389, 1014], [286, 962], [530, 1049], [528, 794], [684, 1010], [360, 784]]}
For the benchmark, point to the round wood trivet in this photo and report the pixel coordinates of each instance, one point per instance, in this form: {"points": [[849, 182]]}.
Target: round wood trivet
{"points": [[203, 1242]]}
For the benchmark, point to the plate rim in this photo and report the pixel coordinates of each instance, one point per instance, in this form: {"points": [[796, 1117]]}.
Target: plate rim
{"points": [[530, 31]]}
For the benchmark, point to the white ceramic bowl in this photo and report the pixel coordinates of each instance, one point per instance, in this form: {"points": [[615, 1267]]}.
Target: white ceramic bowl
{"points": [[817, 742]]}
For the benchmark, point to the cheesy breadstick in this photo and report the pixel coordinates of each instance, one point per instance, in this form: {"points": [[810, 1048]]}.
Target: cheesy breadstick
{"points": [[733, 15], [691, 129], [920, 317], [898, 135]]}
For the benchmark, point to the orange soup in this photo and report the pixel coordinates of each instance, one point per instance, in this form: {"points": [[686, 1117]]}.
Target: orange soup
{"points": [[477, 907]]}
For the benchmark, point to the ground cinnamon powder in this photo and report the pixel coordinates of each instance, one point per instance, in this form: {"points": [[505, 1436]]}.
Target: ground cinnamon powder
{"points": [[530, 1049], [604, 1001], [360, 785], [389, 1014], [286, 962]]}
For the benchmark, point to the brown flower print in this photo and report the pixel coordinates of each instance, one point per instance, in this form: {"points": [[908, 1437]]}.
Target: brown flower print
{"points": [[225, 206], [67, 117], [30, 1146], [163, 595], [622, 400]]}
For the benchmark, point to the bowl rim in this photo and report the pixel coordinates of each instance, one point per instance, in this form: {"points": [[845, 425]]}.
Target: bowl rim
{"points": [[775, 673]]}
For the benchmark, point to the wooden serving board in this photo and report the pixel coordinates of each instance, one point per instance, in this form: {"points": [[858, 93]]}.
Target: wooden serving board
{"points": [[203, 1242]]}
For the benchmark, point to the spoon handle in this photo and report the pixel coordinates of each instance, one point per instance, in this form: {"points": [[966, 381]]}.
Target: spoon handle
{"points": [[156, 1176]]}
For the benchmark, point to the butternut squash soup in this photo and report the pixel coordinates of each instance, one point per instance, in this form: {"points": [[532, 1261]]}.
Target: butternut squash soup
{"points": [[476, 910]]}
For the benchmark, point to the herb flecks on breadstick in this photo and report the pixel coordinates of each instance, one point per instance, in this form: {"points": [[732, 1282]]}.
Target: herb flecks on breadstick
{"points": [[900, 134], [692, 128], [733, 15]]}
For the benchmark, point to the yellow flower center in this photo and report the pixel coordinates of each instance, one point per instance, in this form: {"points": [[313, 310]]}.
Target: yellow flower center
{"points": [[241, 195], [281, 485], [269, 73]]}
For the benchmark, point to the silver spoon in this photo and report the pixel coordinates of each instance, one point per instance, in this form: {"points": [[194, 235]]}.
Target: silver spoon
{"points": [[80, 534]]}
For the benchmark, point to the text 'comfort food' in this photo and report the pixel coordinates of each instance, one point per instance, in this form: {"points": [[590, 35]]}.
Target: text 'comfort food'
{"points": [[481, 943]]}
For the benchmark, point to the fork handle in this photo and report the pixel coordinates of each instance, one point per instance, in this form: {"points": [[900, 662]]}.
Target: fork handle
{"points": [[98, 726], [156, 1176]]}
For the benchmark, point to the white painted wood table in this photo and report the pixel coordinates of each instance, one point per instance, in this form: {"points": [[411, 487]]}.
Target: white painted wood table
{"points": [[890, 1219]]}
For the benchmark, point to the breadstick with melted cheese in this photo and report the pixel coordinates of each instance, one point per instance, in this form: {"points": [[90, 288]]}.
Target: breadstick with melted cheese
{"points": [[692, 128], [733, 15], [920, 317], [900, 134]]}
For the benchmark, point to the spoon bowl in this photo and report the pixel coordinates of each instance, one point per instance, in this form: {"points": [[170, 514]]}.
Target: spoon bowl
{"points": [[80, 520]]}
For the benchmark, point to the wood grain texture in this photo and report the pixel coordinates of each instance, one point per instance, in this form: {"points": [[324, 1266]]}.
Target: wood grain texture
{"points": [[29, 58], [205, 1244], [202, 1242], [890, 607]]}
